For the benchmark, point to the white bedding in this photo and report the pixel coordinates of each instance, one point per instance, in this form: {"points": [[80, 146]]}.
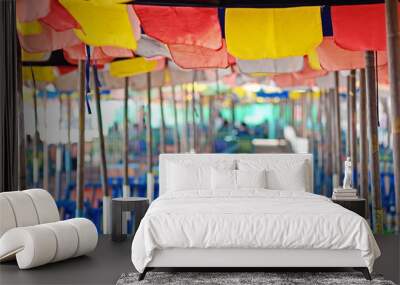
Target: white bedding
{"points": [[252, 218]]}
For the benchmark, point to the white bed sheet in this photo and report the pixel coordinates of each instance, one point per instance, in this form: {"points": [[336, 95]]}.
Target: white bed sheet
{"points": [[252, 218]]}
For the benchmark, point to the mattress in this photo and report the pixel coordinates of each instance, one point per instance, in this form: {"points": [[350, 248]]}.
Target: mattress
{"points": [[250, 219]]}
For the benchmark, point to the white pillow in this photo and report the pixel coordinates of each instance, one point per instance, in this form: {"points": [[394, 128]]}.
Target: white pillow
{"points": [[290, 180], [188, 177], [223, 179], [283, 174], [193, 174], [251, 178]]}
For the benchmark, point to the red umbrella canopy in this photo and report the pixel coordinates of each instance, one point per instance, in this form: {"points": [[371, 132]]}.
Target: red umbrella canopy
{"points": [[334, 58], [181, 25], [359, 27], [189, 56]]}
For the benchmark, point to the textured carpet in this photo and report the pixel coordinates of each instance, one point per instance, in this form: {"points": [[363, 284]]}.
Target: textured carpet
{"points": [[242, 278]]}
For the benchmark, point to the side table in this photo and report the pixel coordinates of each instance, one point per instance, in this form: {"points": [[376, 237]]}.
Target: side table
{"points": [[358, 205], [120, 205]]}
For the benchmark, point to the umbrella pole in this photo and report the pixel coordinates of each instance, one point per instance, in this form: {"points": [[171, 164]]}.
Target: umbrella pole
{"points": [[324, 141], [81, 143], [176, 129], [35, 160], [304, 116], [372, 115], [187, 124], [68, 162], [363, 141], [328, 142], [149, 140], [318, 132], [292, 114], [103, 165], [353, 128], [332, 111], [162, 129], [126, 189], [393, 44], [233, 111], [211, 120], [59, 154], [45, 146], [311, 133], [194, 131], [348, 131], [211, 124], [201, 130], [21, 126], [338, 133]]}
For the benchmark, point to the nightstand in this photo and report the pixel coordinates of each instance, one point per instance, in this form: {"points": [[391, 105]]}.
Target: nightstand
{"points": [[358, 206], [119, 206]]}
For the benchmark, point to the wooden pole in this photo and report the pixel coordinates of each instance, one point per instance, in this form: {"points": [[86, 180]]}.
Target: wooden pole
{"points": [[126, 188], [194, 131], [338, 132], [35, 139], [211, 125], [393, 47], [103, 166], [59, 153], [372, 115], [201, 129], [210, 133], [364, 191], [45, 146], [103, 162], [353, 128], [149, 139], [293, 115], [21, 125], [348, 131], [176, 125], [304, 116], [333, 136], [162, 128], [81, 143], [312, 137], [187, 124], [233, 111], [328, 141], [68, 160]]}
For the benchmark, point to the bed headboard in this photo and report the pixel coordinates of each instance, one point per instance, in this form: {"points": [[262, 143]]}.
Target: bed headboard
{"points": [[209, 158]]}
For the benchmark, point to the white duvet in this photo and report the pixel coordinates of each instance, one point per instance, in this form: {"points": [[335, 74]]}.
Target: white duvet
{"points": [[250, 219]]}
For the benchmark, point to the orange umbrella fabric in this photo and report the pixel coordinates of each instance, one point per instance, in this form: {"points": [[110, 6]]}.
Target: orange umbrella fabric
{"points": [[181, 25]]}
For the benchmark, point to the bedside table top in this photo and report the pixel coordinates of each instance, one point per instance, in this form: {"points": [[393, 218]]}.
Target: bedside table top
{"points": [[348, 200], [130, 199]]}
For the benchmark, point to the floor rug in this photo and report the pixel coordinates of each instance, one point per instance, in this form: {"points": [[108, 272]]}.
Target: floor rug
{"points": [[244, 278]]}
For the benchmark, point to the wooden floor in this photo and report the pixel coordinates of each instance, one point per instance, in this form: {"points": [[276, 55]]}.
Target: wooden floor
{"points": [[103, 266], [110, 260]]}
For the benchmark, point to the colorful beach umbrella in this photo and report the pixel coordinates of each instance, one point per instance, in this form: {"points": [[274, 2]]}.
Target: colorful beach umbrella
{"points": [[104, 24], [192, 57], [359, 27], [272, 33], [181, 25], [280, 65], [334, 58]]}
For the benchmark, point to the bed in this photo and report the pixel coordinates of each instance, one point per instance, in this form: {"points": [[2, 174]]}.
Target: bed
{"points": [[247, 210]]}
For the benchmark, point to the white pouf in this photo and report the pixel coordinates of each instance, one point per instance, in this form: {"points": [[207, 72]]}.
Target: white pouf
{"points": [[23, 208], [45, 205], [7, 219], [41, 244], [31, 232]]}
